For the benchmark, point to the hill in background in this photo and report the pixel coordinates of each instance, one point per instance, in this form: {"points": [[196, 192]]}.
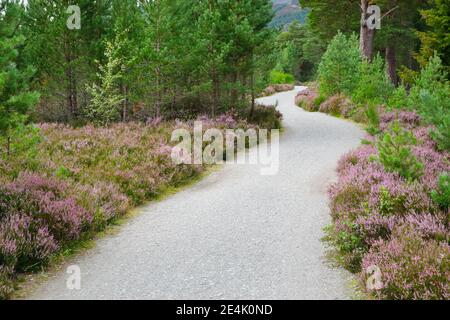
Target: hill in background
{"points": [[287, 11]]}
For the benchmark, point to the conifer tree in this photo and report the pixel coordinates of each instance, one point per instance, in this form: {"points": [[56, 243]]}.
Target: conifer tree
{"points": [[16, 98]]}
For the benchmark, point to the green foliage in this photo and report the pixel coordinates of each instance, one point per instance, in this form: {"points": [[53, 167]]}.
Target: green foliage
{"points": [[64, 59], [373, 87], [442, 194], [319, 100], [395, 153], [298, 51], [267, 117], [27, 139], [63, 173], [398, 99], [106, 98], [327, 18], [16, 98], [179, 58], [350, 245], [431, 97], [373, 118], [435, 38], [339, 70], [277, 77]]}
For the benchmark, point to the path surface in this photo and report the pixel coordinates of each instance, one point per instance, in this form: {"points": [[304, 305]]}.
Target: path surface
{"points": [[235, 235]]}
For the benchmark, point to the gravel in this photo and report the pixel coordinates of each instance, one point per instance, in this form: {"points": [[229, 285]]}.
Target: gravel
{"points": [[237, 234]]}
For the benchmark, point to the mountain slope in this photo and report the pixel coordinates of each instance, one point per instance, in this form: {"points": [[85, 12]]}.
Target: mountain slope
{"points": [[287, 11]]}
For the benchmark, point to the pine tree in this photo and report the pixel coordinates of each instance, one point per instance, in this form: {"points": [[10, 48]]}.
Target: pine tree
{"points": [[64, 58], [340, 66], [436, 37], [16, 99], [106, 97]]}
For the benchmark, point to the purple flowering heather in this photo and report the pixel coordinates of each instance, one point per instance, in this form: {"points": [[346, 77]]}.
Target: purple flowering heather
{"points": [[411, 267], [408, 119], [400, 228], [24, 239]]}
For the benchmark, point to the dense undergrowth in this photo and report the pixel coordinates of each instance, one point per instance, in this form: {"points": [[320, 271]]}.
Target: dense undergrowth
{"points": [[63, 184], [390, 205]]}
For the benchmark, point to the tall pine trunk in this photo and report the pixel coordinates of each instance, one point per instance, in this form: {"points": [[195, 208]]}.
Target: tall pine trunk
{"points": [[71, 86], [391, 64], [367, 35], [252, 86], [125, 102], [216, 89]]}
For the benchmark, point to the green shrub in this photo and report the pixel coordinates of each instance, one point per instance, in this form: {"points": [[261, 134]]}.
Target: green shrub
{"points": [[373, 119], [442, 195], [435, 109], [319, 100], [395, 153], [63, 173], [398, 99], [339, 70], [267, 117], [278, 77], [430, 95], [349, 244], [374, 86]]}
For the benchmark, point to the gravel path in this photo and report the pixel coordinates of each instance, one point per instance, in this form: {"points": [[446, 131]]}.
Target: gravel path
{"points": [[235, 235]]}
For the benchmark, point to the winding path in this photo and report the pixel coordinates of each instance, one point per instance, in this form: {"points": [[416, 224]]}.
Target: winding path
{"points": [[236, 234]]}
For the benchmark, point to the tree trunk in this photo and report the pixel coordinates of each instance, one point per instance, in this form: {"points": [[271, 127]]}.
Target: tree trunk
{"points": [[234, 89], [367, 35], [252, 85], [72, 103], [215, 98], [8, 146], [71, 95], [391, 64], [125, 103]]}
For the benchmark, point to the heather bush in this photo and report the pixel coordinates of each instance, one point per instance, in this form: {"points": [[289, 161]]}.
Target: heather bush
{"points": [[6, 282], [275, 88], [103, 199], [24, 242], [407, 190], [267, 117], [337, 105], [411, 267], [89, 176], [407, 119], [307, 99], [44, 200]]}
